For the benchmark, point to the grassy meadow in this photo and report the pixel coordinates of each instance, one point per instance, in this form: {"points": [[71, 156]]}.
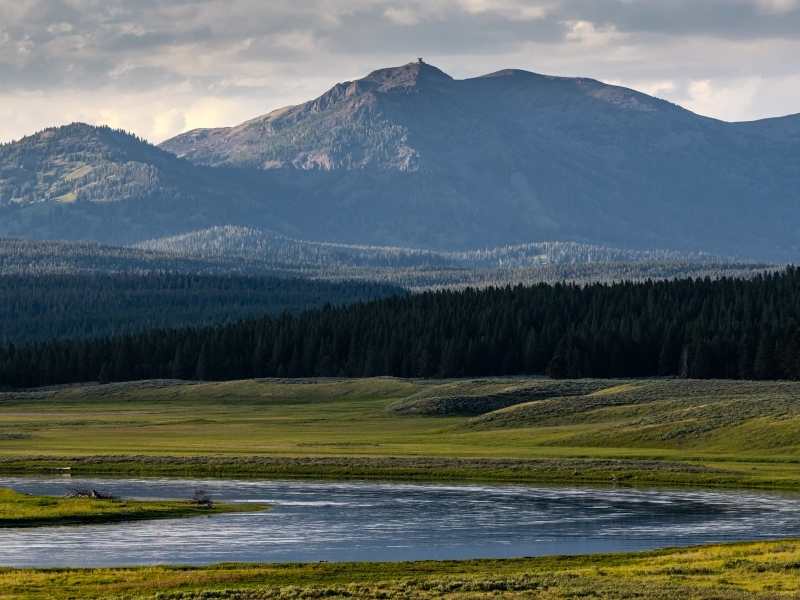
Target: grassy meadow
{"points": [[754, 571], [522, 429], [24, 510], [637, 432]]}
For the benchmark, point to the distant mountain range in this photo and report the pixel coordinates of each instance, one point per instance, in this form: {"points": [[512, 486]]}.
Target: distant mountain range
{"points": [[233, 250], [410, 157], [267, 246]]}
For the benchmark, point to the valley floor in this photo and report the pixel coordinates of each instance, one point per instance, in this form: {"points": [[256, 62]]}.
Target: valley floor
{"points": [[767, 570], [635, 432], [651, 431]]}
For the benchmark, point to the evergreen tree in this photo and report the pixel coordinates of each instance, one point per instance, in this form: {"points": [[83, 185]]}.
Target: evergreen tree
{"points": [[201, 367]]}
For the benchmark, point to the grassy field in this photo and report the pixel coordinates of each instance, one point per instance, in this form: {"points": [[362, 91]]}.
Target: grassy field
{"points": [[23, 510], [639, 431], [710, 433], [729, 572]]}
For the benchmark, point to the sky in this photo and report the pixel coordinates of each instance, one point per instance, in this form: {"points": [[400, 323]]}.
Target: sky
{"points": [[161, 67]]}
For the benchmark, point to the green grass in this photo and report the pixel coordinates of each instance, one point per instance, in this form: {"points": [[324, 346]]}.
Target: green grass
{"points": [[710, 433], [754, 571], [24, 510], [655, 431]]}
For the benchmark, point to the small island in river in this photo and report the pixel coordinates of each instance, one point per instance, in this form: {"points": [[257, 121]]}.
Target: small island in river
{"points": [[24, 510]]}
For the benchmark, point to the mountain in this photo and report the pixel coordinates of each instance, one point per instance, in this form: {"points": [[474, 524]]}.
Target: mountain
{"points": [[411, 156], [81, 182], [243, 251]]}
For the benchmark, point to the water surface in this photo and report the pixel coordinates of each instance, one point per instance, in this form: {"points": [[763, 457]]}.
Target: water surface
{"points": [[335, 521]]}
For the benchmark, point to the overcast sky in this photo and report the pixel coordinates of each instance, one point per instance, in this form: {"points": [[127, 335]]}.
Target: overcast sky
{"points": [[158, 68]]}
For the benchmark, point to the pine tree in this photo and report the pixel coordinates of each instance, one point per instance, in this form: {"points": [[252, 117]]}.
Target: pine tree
{"points": [[201, 367]]}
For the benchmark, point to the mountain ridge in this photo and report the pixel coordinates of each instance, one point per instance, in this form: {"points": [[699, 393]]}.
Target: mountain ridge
{"points": [[408, 156], [245, 140]]}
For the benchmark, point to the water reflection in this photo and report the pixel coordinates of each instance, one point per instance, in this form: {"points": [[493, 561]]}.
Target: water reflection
{"points": [[313, 521]]}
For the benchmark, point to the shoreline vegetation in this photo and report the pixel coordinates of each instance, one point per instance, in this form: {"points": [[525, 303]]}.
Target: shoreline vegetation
{"points": [[631, 472], [740, 571], [24, 510]]}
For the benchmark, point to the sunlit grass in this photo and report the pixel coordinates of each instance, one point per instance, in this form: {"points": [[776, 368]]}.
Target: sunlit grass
{"points": [[24, 510], [766, 570], [727, 426]]}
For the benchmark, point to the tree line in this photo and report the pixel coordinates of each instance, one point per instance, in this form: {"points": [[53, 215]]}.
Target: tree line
{"points": [[38, 308], [699, 328]]}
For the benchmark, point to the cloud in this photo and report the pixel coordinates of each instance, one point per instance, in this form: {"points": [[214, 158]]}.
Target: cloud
{"points": [[735, 97], [778, 6], [160, 67], [402, 15], [588, 34]]}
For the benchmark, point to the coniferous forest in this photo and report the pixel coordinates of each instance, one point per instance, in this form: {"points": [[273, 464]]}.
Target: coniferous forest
{"points": [[703, 328], [36, 308]]}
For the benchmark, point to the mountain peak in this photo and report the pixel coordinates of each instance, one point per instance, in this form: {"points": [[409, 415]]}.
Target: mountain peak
{"points": [[408, 75]]}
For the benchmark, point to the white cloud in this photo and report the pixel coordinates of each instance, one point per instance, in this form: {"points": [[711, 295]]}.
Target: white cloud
{"points": [[731, 100], [150, 115], [778, 6], [402, 15], [159, 67], [588, 34], [513, 9], [298, 40], [62, 27]]}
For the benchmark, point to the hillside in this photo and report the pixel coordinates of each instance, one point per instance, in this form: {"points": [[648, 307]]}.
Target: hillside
{"points": [[40, 258], [420, 269], [258, 244], [410, 156], [80, 182]]}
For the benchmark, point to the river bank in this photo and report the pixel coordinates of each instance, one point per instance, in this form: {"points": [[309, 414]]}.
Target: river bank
{"points": [[710, 473], [754, 571]]}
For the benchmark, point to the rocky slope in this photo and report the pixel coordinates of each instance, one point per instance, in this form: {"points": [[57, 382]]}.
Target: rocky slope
{"points": [[409, 155]]}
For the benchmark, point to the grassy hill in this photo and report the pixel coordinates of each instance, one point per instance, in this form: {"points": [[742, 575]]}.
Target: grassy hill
{"points": [[638, 431]]}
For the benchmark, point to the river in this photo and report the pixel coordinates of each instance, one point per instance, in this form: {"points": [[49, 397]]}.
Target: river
{"points": [[357, 521]]}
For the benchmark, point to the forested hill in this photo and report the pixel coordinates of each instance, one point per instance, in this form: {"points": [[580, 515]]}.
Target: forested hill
{"points": [[47, 307], [727, 328]]}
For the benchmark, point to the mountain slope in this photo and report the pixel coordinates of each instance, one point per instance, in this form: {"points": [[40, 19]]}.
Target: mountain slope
{"points": [[420, 269], [81, 182], [259, 245], [410, 156], [93, 164]]}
